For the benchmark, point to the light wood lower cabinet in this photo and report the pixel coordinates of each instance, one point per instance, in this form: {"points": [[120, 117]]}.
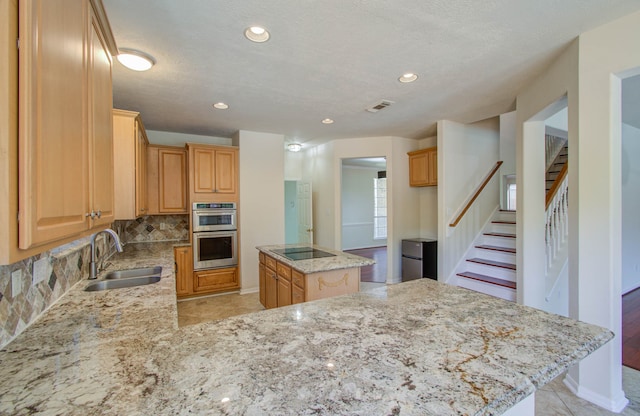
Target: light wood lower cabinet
{"points": [[215, 280], [281, 285], [184, 270], [190, 283]]}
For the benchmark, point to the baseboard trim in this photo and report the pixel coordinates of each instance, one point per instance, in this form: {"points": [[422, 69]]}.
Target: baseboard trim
{"points": [[248, 291], [616, 405]]}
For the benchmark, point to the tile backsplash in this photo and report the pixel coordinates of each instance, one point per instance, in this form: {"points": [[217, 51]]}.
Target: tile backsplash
{"points": [[154, 228], [29, 287], [23, 299]]}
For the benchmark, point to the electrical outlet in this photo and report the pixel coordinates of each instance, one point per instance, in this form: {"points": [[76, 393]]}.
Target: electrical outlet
{"points": [[41, 270], [163, 226], [16, 283]]}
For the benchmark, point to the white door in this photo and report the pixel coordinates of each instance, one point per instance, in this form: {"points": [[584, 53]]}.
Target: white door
{"points": [[305, 217]]}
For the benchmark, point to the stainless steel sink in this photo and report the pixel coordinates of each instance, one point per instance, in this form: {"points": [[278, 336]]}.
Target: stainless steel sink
{"points": [[118, 279], [125, 274]]}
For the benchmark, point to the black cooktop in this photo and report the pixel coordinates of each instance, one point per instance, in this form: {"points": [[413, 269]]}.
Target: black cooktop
{"points": [[302, 253]]}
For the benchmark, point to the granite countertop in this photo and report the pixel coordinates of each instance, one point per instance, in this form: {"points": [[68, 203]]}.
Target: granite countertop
{"points": [[418, 347], [341, 260]]}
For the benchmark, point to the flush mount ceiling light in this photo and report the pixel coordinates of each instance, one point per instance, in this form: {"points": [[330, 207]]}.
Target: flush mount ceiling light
{"points": [[256, 34], [221, 106], [327, 121], [135, 60], [408, 77], [294, 147]]}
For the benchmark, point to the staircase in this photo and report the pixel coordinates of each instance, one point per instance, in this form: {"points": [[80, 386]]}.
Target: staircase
{"points": [[490, 264], [555, 167]]}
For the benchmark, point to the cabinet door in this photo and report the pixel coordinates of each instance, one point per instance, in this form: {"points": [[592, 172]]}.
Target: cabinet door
{"points": [[184, 270], [215, 280], [263, 282], [204, 171], [271, 289], [153, 180], [284, 292], [225, 171], [100, 125], [433, 167], [53, 153], [297, 294], [418, 170], [172, 192], [141, 171]]}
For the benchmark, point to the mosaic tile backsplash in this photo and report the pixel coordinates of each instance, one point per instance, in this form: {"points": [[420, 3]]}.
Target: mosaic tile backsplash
{"points": [[22, 301], [154, 228]]}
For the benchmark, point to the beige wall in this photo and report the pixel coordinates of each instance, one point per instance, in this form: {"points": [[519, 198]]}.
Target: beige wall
{"points": [[261, 214], [428, 200]]}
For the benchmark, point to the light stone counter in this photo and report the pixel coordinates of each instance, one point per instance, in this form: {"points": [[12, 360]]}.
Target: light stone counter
{"points": [[341, 260], [417, 348]]}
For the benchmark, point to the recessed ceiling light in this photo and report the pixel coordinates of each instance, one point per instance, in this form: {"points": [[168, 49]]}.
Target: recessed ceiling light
{"points": [[294, 147], [135, 60], [327, 121], [257, 34], [221, 106], [408, 77]]}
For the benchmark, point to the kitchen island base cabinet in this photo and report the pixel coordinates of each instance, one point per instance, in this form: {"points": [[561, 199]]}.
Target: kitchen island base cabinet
{"points": [[282, 285], [323, 285], [184, 270]]}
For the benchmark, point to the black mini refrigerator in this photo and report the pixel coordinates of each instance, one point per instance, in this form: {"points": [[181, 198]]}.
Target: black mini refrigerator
{"points": [[419, 259]]}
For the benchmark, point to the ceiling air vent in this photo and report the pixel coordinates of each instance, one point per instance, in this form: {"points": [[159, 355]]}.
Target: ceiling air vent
{"points": [[379, 106]]}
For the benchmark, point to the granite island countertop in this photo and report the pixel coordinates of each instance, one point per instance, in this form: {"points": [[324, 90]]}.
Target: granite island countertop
{"points": [[340, 260], [418, 347]]}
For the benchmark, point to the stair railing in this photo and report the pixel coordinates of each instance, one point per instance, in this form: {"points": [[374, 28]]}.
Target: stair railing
{"points": [[557, 216], [469, 201]]}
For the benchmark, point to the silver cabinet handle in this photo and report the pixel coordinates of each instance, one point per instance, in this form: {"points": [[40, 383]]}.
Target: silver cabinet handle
{"points": [[99, 214], [91, 214]]}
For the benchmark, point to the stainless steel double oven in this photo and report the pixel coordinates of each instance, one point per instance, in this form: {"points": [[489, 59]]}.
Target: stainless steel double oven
{"points": [[215, 236]]}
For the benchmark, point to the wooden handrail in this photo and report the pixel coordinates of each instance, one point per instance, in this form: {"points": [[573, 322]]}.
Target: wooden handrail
{"points": [[556, 185], [477, 193]]}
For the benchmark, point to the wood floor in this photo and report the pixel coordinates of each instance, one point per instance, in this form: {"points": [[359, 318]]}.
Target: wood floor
{"points": [[631, 329], [376, 273]]}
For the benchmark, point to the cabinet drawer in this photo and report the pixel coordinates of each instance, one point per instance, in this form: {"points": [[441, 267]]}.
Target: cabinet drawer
{"points": [[284, 271], [297, 295], [217, 279], [270, 262], [261, 257], [297, 278]]}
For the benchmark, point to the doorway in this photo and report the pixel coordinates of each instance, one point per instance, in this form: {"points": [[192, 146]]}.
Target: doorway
{"points": [[298, 215], [630, 194], [364, 213]]}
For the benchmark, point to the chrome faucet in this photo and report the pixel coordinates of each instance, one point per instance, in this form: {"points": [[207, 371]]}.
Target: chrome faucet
{"points": [[93, 268]]}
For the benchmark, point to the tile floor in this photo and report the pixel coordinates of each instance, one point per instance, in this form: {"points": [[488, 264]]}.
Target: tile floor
{"points": [[554, 399]]}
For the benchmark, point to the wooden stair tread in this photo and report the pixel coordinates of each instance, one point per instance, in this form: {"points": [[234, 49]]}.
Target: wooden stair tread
{"points": [[506, 235], [493, 263], [488, 279], [497, 248], [504, 222]]}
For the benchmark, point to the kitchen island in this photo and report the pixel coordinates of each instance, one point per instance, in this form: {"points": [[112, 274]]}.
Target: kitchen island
{"points": [[419, 347], [295, 273]]}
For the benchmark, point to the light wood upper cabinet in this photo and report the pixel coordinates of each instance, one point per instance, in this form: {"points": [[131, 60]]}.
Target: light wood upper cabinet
{"points": [[100, 124], [423, 167], [167, 180], [213, 173], [64, 141], [130, 165]]}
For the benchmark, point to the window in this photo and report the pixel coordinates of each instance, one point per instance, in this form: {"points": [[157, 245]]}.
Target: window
{"points": [[380, 206]]}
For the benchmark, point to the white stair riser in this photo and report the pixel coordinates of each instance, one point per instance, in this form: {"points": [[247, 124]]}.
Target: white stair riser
{"points": [[489, 289], [499, 241], [499, 272], [502, 228], [504, 216], [495, 255]]}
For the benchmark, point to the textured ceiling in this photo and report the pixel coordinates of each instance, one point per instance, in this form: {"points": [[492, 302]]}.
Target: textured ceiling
{"points": [[334, 58]]}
